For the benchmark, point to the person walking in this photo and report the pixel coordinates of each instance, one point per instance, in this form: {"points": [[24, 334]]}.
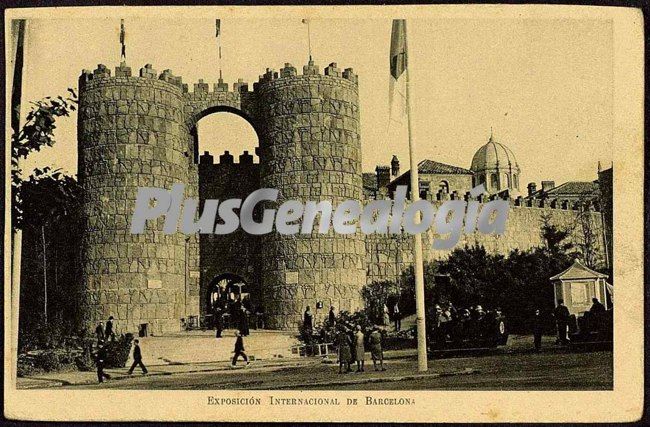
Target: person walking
{"points": [[538, 328], [397, 317], [375, 349], [109, 334], [239, 349], [218, 321], [99, 331], [137, 358], [359, 349], [562, 315], [345, 352], [100, 360]]}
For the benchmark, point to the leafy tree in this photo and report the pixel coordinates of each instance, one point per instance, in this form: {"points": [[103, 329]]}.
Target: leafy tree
{"points": [[47, 207], [36, 133], [554, 236]]}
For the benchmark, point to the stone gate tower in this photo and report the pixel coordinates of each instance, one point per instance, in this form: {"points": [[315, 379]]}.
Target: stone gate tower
{"points": [[141, 131], [310, 150]]}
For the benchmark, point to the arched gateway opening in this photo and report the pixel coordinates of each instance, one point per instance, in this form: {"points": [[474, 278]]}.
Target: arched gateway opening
{"points": [[229, 296], [222, 128], [228, 168]]}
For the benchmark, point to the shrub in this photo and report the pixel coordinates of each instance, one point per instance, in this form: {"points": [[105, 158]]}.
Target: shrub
{"points": [[26, 366], [377, 295], [48, 361], [117, 352]]}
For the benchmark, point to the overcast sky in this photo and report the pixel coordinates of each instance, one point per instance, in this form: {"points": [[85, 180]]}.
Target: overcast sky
{"points": [[544, 85]]}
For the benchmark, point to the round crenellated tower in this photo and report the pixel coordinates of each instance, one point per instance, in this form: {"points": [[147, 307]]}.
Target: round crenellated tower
{"points": [[130, 135], [310, 150]]}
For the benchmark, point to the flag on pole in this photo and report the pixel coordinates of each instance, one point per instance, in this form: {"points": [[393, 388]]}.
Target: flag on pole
{"points": [[123, 39], [398, 64]]}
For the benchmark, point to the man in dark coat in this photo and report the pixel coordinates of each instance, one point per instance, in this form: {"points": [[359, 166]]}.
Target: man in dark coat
{"points": [[308, 320], [100, 361], [243, 322], [397, 317], [218, 321], [562, 315], [332, 317], [596, 315], [110, 334], [239, 349], [137, 358], [538, 328], [99, 331]]}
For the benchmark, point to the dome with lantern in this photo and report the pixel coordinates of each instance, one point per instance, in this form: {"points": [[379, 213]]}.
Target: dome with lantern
{"points": [[495, 166]]}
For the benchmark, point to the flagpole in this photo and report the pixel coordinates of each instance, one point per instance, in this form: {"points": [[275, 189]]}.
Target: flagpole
{"points": [[417, 238], [18, 34]]}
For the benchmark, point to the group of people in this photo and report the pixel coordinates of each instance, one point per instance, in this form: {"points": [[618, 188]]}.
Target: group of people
{"points": [[395, 314], [238, 312], [451, 324], [351, 348], [106, 334], [592, 321]]}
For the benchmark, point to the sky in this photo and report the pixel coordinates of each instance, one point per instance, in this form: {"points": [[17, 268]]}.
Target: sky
{"points": [[545, 86]]}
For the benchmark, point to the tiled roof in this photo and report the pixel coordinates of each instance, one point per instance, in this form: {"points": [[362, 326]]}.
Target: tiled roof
{"points": [[570, 188], [574, 187], [578, 271], [433, 167]]}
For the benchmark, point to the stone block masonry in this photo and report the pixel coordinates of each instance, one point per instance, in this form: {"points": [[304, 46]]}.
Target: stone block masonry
{"points": [[141, 131], [130, 136]]}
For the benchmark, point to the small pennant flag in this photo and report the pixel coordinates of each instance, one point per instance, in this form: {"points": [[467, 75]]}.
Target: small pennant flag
{"points": [[305, 21], [218, 25]]}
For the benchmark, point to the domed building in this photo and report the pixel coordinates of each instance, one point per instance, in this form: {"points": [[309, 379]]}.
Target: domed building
{"points": [[495, 165]]}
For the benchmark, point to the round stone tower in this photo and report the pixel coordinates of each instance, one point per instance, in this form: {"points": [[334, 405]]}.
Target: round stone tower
{"points": [[310, 150], [130, 136]]}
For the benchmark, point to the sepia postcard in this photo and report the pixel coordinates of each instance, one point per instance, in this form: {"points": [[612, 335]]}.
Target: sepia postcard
{"points": [[423, 213]]}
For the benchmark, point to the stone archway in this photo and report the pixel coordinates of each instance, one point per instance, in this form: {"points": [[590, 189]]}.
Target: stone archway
{"points": [[193, 120]]}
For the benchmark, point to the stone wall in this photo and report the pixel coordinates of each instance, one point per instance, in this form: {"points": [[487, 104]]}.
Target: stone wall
{"points": [[387, 256], [129, 137]]}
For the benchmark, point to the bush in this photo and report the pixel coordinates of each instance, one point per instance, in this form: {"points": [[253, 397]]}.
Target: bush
{"points": [[48, 361], [377, 295], [117, 352], [26, 366]]}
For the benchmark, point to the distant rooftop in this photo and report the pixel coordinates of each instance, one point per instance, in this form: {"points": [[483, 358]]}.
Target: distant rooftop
{"points": [[570, 188]]}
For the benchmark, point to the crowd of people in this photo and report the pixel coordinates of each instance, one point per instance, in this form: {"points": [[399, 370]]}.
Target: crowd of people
{"points": [[449, 324]]}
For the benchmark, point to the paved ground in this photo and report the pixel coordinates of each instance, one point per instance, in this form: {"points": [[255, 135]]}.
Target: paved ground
{"points": [[513, 367]]}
